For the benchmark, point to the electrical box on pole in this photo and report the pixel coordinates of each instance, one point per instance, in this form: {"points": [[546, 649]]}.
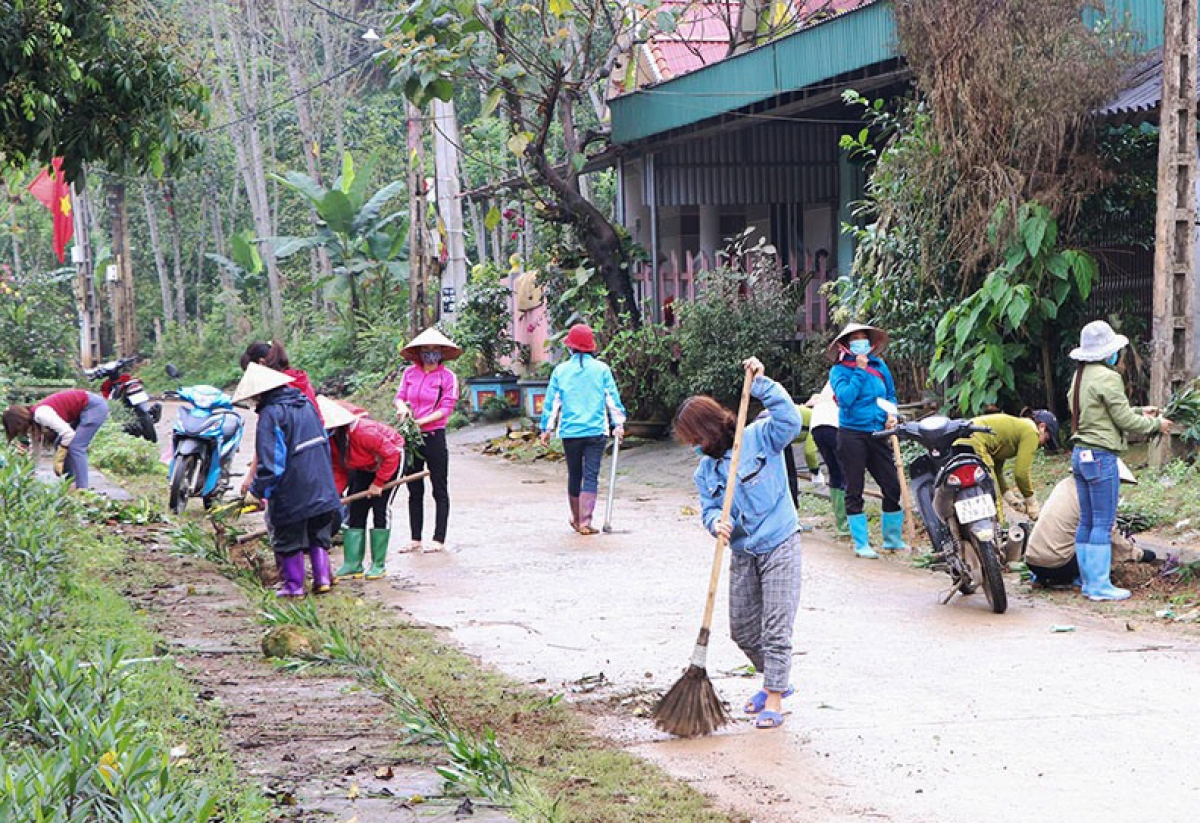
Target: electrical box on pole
{"points": [[1174, 230]]}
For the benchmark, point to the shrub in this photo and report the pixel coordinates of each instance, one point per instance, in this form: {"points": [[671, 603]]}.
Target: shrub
{"points": [[738, 314], [114, 451], [643, 364]]}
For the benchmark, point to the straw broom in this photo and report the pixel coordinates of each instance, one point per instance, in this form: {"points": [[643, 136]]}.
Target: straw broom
{"points": [[691, 708]]}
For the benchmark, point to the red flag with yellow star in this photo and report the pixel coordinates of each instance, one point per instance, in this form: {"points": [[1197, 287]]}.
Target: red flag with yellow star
{"points": [[53, 193]]}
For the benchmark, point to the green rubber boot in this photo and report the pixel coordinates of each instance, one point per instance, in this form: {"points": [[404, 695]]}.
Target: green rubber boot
{"points": [[379, 547], [837, 497], [354, 545]]}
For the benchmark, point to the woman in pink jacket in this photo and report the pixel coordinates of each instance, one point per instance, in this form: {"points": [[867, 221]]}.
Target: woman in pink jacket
{"points": [[428, 392]]}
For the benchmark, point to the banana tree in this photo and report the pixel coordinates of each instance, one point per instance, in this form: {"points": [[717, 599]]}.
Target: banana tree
{"points": [[362, 241]]}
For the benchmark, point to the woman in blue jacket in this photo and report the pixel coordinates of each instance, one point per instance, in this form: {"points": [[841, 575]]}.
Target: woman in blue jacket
{"points": [[764, 558], [866, 398], [581, 405]]}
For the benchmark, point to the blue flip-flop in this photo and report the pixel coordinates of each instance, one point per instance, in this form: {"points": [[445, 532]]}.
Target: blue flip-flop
{"points": [[758, 700], [768, 720]]}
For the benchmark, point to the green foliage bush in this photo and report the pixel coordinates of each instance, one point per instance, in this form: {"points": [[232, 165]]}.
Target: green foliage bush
{"points": [[643, 365], [114, 451], [738, 314], [484, 324]]}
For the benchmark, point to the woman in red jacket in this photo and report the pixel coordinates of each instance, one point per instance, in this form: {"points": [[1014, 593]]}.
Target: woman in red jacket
{"points": [[367, 455], [69, 419]]}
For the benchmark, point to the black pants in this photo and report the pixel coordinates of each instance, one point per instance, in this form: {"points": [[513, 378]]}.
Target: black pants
{"points": [[1062, 576], [583, 456], [380, 506], [436, 456], [789, 462], [826, 438], [860, 453], [302, 535]]}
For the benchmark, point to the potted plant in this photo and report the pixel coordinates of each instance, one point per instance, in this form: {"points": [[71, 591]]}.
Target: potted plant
{"points": [[643, 364], [484, 328]]}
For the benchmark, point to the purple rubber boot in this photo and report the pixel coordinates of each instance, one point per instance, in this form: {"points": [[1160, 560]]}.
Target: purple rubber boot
{"points": [[321, 573], [291, 573]]}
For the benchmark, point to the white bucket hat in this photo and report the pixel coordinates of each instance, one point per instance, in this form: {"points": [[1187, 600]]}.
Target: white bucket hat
{"points": [[258, 379], [1097, 341], [878, 338], [430, 338], [333, 413]]}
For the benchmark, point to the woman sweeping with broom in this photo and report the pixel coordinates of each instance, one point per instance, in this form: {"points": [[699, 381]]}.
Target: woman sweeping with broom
{"points": [[764, 563]]}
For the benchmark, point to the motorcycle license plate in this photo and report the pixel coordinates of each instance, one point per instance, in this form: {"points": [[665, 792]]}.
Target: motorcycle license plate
{"points": [[970, 509], [139, 397]]}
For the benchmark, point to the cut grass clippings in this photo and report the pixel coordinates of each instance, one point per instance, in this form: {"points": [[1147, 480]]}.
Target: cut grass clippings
{"points": [[500, 739]]}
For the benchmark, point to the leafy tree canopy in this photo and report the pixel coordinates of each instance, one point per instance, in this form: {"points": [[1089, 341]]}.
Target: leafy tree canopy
{"points": [[94, 81]]}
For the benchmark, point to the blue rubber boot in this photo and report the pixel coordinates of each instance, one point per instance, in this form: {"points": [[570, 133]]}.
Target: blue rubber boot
{"points": [[1095, 565], [893, 531], [862, 536]]}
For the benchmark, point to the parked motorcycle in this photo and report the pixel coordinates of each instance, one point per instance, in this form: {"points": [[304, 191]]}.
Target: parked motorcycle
{"points": [[119, 384], [956, 498], [205, 438]]}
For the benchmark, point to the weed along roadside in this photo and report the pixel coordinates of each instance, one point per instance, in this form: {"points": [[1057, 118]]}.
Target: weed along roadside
{"points": [[504, 746]]}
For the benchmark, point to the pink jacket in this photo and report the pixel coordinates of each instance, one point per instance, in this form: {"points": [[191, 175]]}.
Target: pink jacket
{"points": [[425, 391]]}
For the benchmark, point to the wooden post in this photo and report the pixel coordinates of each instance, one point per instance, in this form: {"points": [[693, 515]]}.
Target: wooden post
{"points": [[1174, 230], [417, 277], [85, 281]]}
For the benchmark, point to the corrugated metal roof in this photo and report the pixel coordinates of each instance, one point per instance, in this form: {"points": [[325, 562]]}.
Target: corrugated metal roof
{"points": [[1142, 92], [848, 42]]}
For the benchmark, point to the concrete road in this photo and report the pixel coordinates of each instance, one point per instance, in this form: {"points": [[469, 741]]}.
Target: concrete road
{"points": [[906, 710]]}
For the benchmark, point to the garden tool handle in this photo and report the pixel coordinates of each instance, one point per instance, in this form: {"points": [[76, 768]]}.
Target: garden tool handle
{"points": [[726, 507], [905, 499], [350, 498], [612, 483]]}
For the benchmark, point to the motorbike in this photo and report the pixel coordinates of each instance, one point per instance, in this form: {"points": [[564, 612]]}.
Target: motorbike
{"points": [[119, 384], [204, 439], [956, 498]]}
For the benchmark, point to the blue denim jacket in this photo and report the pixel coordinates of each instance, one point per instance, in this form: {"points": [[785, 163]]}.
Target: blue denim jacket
{"points": [[763, 515]]}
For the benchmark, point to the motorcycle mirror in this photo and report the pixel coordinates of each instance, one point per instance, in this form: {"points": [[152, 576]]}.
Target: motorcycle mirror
{"points": [[173, 372]]}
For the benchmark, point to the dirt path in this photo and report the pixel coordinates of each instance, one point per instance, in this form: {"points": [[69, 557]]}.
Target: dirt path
{"points": [[313, 743], [906, 710]]}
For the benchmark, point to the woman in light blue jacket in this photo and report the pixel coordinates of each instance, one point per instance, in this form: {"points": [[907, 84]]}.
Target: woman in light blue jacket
{"points": [[582, 406], [764, 560]]}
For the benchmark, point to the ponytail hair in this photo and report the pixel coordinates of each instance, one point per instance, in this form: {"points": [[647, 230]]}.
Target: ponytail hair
{"points": [[272, 355]]}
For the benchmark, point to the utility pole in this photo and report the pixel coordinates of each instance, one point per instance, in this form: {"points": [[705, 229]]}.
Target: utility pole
{"points": [[449, 201], [418, 255], [1172, 333], [85, 281], [120, 275]]}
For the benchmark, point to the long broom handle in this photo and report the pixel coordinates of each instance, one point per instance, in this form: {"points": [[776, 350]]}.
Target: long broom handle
{"points": [[910, 536], [350, 498], [726, 509]]}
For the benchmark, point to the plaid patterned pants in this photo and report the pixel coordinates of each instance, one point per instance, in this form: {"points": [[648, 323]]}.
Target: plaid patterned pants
{"points": [[764, 593]]}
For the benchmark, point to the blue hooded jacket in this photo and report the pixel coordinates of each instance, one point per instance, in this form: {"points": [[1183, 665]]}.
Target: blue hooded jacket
{"points": [[763, 515], [858, 392], [582, 399], [295, 472]]}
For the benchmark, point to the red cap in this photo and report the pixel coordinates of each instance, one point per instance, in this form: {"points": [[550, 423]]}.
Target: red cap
{"points": [[580, 338]]}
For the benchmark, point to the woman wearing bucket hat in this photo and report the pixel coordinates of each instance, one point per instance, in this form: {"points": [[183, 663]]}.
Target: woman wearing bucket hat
{"points": [[366, 455], [1102, 418], [866, 398], [294, 475], [428, 392], [582, 404]]}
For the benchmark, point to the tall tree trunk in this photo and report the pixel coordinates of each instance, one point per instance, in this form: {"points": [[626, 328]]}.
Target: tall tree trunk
{"points": [[121, 285], [416, 220], [18, 269], [242, 58], [160, 261], [177, 253]]}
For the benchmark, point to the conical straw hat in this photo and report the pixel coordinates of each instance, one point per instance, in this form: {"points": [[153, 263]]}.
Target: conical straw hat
{"points": [[258, 379], [430, 337], [877, 336], [334, 413]]}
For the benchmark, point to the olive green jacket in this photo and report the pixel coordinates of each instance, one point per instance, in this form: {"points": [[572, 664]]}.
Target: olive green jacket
{"points": [[1105, 416], [1011, 437]]}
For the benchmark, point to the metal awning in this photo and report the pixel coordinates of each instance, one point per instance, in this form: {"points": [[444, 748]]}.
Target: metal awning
{"points": [[1142, 93]]}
